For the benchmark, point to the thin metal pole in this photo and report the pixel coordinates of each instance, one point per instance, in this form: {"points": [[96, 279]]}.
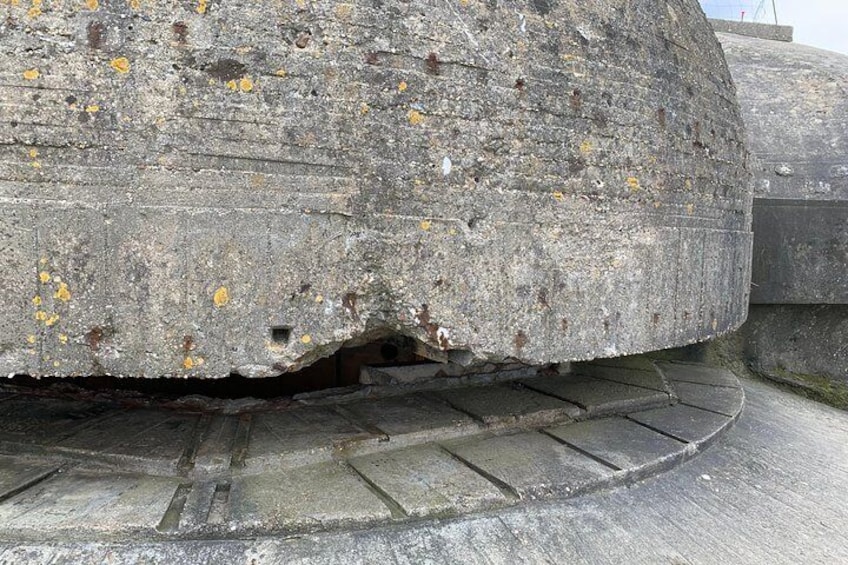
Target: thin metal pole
{"points": [[774, 9]]}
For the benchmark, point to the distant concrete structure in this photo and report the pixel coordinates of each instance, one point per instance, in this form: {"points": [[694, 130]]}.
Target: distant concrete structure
{"points": [[795, 109], [753, 29]]}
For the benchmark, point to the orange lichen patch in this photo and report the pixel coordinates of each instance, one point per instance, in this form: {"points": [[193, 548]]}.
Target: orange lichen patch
{"points": [[44, 277], [221, 297], [36, 301], [426, 225], [188, 363], [202, 5], [558, 196], [402, 86], [586, 147], [306, 339], [364, 109], [51, 321], [63, 338], [31, 74], [31, 339], [135, 5], [415, 117], [92, 4], [41, 315], [92, 108], [62, 293], [246, 84], [120, 65], [633, 183]]}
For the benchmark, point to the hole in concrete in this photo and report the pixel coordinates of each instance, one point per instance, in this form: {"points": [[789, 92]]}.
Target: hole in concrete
{"points": [[281, 334]]}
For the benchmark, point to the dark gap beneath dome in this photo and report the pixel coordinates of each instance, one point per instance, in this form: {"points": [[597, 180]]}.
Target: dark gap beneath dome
{"points": [[342, 369]]}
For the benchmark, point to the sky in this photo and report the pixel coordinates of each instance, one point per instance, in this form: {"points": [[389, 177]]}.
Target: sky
{"points": [[820, 23]]}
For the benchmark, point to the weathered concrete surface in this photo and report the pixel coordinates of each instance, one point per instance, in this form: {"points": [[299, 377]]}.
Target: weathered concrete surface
{"points": [[796, 116], [805, 346], [753, 29], [772, 492], [278, 470], [194, 189]]}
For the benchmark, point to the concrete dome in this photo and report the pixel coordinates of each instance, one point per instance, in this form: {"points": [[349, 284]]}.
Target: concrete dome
{"points": [[195, 189]]}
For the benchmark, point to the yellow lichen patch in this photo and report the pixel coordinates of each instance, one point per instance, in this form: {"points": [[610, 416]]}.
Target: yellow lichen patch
{"points": [[120, 65], [62, 293], [202, 5], [36, 301], [343, 11], [633, 183], [42, 261], [44, 277], [364, 109], [92, 4], [33, 153], [51, 321], [688, 184], [415, 117], [30, 339], [221, 297], [35, 10], [452, 231], [586, 147], [63, 338], [306, 339], [92, 108], [246, 84], [558, 196], [135, 5], [31, 74], [690, 209], [402, 86], [35, 165], [281, 73], [232, 85], [426, 225], [319, 299], [41, 315], [188, 363]]}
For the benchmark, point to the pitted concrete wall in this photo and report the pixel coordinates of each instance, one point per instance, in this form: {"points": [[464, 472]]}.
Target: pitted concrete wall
{"points": [[198, 188]]}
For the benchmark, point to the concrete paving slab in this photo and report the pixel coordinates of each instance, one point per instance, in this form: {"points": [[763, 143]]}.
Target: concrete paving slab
{"points": [[697, 373], [80, 503], [412, 415], [724, 400], [46, 421], [426, 480], [146, 440], [683, 422], [532, 464], [16, 474], [621, 442], [301, 436], [316, 497], [645, 378], [501, 404], [598, 396]]}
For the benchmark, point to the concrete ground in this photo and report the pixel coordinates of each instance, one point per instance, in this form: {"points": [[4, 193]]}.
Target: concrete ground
{"points": [[772, 490]]}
